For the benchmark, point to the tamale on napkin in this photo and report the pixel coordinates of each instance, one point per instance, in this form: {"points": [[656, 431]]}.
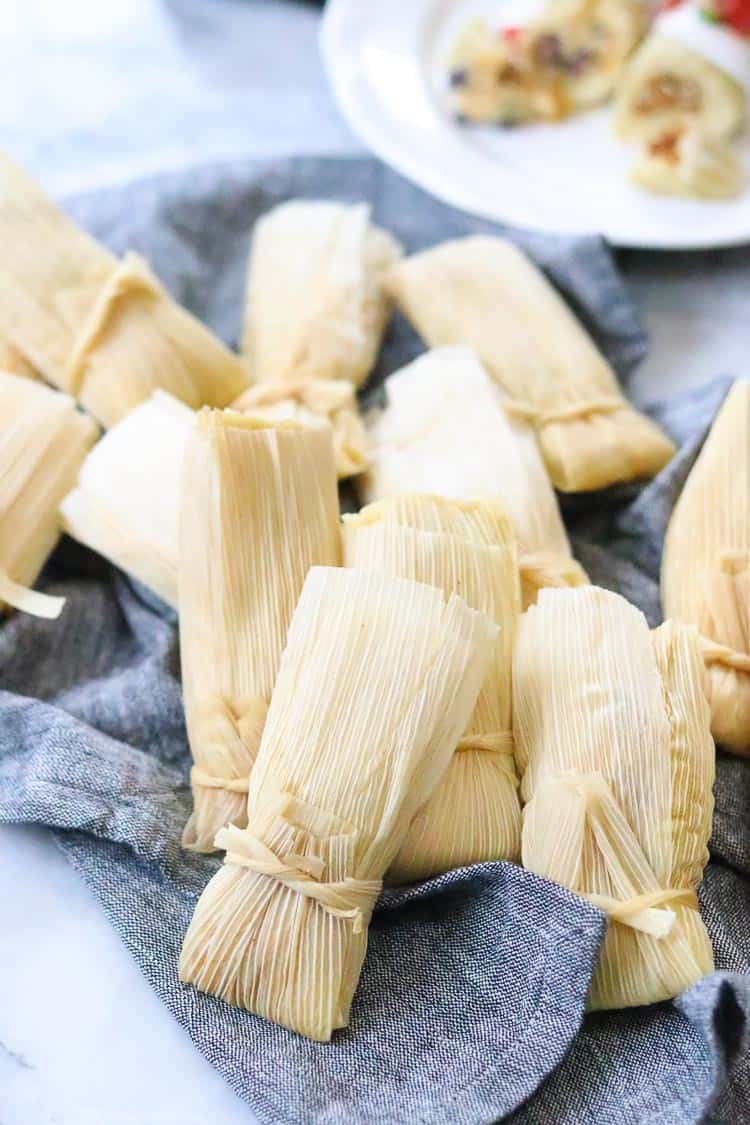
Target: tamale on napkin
{"points": [[126, 502], [444, 430], [612, 739], [314, 402], [705, 577], [376, 684], [43, 440], [474, 814], [259, 507], [315, 304], [482, 292], [102, 330]]}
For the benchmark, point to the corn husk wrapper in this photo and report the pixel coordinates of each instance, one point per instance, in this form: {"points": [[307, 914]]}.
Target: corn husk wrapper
{"points": [[474, 814], [126, 502], [43, 440], [259, 507], [667, 85], [483, 293], [14, 362], [612, 738], [705, 577], [689, 162], [445, 431], [376, 684], [315, 305], [314, 402], [104, 331]]}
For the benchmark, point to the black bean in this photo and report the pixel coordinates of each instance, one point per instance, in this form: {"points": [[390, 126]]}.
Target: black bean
{"points": [[459, 76]]}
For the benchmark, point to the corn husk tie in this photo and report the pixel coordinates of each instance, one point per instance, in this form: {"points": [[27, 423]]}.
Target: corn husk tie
{"points": [[348, 899]]}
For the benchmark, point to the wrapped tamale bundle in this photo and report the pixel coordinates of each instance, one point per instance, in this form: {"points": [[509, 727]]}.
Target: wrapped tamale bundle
{"points": [[126, 502], [612, 739], [474, 814], [376, 684], [43, 440], [445, 431], [102, 330], [705, 576], [316, 308], [313, 402], [483, 293], [259, 507]]}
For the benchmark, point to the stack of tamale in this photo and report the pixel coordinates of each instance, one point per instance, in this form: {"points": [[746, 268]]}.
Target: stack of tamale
{"points": [[483, 293], [376, 685], [474, 814], [612, 738]]}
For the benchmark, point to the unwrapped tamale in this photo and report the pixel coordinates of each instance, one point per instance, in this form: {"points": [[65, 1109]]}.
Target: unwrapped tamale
{"points": [[444, 430], [102, 330], [474, 814], [612, 738], [316, 308], [126, 502], [482, 292], [313, 402], [376, 684], [705, 577], [43, 440], [259, 507]]}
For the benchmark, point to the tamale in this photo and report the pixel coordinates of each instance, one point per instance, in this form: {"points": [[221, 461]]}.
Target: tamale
{"points": [[612, 738], [126, 502], [313, 402], [259, 507], [102, 330], [315, 305], [445, 430], [12, 361], [43, 440], [483, 293], [376, 684], [705, 576], [474, 814]]}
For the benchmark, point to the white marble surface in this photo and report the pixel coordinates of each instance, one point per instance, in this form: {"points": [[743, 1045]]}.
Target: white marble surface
{"points": [[92, 93]]}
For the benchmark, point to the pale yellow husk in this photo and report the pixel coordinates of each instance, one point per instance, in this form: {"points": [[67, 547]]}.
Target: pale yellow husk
{"points": [[474, 814], [689, 162], [126, 502], [315, 304], [102, 330], [43, 440], [259, 507], [666, 85], [376, 684], [12, 361], [705, 576], [613, 743], [483, 293], [445, 431], [313, 402]]}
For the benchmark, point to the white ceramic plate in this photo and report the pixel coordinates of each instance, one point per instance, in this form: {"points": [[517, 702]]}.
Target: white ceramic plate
{"points": [[386, 63]]}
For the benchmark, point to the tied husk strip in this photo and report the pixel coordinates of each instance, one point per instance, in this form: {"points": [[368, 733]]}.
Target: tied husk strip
{"points": [[43, 440], [483, 293], [314, 402], [259, 507], [474, 814], [612, 738], [126, 507], [315, 305], [377, 682], [445, 431], [106, 331], [705, 576]]}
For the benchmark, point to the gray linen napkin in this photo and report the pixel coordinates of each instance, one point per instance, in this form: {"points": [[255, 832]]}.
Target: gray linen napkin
{"points": [[470, 1006]]}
